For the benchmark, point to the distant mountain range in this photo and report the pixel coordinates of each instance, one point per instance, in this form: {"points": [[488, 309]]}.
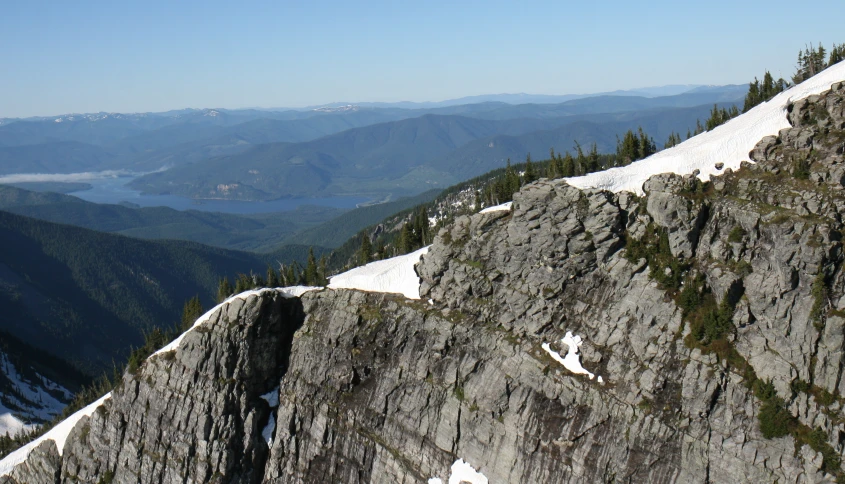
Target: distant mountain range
{"points": [[407, 156], [161, 118], [369, 149], [522, 98]]}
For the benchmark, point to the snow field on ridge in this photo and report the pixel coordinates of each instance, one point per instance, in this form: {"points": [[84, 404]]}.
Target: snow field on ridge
{"points": [[396, 274], [729, 143]]}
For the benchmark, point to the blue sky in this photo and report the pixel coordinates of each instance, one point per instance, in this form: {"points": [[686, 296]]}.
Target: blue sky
{"points": [[87, 56]]}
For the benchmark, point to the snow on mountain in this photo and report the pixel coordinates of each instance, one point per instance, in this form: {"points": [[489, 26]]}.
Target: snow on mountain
{"points": [[717, 150], [505, 207], [572, 360], [396, 274], [336, 109], [58, 434], [27, 401]]}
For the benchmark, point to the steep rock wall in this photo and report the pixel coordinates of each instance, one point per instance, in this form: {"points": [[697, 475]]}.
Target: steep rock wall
{"points": [[375, 388]]}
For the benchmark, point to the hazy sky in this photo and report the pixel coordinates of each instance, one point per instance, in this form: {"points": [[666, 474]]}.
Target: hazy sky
{"points": [[87, 56]]}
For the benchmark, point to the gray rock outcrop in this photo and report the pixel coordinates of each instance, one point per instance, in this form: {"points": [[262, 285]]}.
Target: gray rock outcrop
{"points": [[703, 307]]}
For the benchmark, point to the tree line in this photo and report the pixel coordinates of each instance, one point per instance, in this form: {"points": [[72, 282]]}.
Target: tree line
{"points": [[813, 60], [314, 273], [418, 226]]}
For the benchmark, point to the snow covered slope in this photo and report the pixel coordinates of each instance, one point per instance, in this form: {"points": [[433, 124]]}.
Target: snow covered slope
{"points": [[396, 274], [58, 434], [27, 401], [728, 144]]}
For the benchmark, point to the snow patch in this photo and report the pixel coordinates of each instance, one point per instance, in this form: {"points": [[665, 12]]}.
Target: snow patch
{"points": [[395, 275], [571, 361], [498, 208], [267, 431], [729, 143], [462, 472], [58, 434], [296, 291], [272, 399], [33, 400], [10, 425]]}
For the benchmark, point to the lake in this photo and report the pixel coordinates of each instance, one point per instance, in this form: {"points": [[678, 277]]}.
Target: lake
{"points": [[114, 190]]}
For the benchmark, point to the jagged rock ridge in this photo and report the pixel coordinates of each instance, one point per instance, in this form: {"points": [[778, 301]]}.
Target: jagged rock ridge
{"points": [[375, 388]]}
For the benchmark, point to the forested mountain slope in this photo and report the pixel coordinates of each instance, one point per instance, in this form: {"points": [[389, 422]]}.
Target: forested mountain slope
{"points": [[87, 296], [411, 155], [255, 232]]}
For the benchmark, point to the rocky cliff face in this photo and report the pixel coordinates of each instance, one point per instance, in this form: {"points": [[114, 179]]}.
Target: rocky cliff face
{"points": [[713, 313]]}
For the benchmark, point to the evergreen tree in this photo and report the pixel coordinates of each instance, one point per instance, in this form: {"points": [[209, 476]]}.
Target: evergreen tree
{"points": [[365, 253], [715, 118], [552, 168], [530, 174], [580, 160], [404, 243], [767, 89], [224, 289], [512, 180], [311, 278], [733, 112], [381, 249], [567, 166], [242, 283], [322, 271], [647, 147], [760, 92], [628, 148], [272, 277], [753, 97], [837, 54], [190, 312], [593, 162], [292, 274], [420, 225], [811, 61], [674, 140]]}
